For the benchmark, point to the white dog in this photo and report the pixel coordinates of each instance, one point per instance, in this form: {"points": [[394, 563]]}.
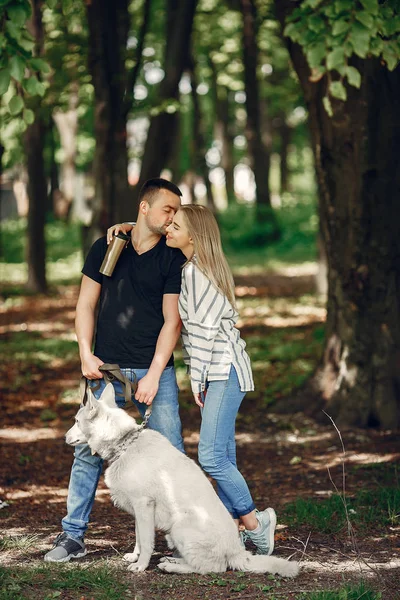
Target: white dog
{"points": [[165, 489]]}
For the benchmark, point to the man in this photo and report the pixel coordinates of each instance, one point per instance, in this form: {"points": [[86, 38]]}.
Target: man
{"points": [[137, 327]]}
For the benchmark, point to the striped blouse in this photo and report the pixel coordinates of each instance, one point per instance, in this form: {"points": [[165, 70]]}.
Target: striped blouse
{"points": [[211, 342]]}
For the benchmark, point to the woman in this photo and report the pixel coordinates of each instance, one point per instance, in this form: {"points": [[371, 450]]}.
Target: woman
{"points": [[219, 366]]}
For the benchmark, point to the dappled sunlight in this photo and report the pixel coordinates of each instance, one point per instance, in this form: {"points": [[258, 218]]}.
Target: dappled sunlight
{"points": [[280, 312], [22, 435], [359, 565], [50, 328], [327, 461], [309, 268]]}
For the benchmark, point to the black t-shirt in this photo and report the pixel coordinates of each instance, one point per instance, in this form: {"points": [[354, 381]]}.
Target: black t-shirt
{"points": [[130, 309]]}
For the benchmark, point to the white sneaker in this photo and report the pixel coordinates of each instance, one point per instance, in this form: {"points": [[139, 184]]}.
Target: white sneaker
{"points": [[264, 540]]}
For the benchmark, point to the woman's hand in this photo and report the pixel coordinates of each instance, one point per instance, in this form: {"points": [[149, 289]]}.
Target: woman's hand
{"points": [[116, 229], [147, 389], [199, 398]]}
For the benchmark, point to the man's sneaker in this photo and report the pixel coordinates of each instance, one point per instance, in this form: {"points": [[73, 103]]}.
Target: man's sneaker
{"points": [[264, 539], [65, 548]]}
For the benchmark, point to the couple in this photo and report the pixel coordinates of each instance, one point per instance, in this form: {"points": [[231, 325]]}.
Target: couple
{"points": [[172, 275]]}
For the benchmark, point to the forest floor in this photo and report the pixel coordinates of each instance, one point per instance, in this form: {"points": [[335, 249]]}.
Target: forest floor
{"points": [[284, 457]]}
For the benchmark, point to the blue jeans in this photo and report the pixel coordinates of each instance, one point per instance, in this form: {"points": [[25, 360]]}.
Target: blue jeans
{"points": [[217, 446], [86, 468]]}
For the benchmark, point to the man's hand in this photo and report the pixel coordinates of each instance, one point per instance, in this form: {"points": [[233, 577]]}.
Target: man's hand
{"points": [[199, 398], [147, 389], [90, 366]]}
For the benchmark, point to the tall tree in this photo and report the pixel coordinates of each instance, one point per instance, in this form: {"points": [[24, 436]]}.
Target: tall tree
{"points": [[223, 130], [198, 140], [345, 56], [163, 123], [109, 24], [34, 140], [259, 153]]}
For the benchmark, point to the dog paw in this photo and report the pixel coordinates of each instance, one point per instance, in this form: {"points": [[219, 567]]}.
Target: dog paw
{"points": [[168, 559], [137, 567], [131, 557]]}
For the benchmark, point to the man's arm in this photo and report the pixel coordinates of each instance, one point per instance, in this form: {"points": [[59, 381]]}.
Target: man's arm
{"points": [[169, 334], [84, 327]]}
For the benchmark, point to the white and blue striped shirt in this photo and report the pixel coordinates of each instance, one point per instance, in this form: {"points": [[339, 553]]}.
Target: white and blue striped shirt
{"points": [[211, 342]]}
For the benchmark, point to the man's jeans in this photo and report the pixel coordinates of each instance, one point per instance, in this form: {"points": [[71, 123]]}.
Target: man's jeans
{"points": [[217, 446], [86, 468]]}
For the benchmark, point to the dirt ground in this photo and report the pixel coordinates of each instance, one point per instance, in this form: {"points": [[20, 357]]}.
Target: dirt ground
{"points": [[283, 457]]}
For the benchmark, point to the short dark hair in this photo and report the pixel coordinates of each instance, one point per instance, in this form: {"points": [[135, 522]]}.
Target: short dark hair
{"points": [[152, 186]]}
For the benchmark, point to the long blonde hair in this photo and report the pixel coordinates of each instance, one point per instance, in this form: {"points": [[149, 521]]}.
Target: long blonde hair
{"points": [[204, 231]]}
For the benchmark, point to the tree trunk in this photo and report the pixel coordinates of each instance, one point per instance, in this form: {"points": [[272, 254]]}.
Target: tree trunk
{"points": [[285, 135], [223, 131], [163, 125], [199, 145], [258, 152], [54, 186], [34, 142], [67, 125], [108, 34], [357, 157], [37, 194]]}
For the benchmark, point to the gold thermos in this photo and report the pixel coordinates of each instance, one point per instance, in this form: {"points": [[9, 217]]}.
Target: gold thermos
{"points": [[117, 244]]}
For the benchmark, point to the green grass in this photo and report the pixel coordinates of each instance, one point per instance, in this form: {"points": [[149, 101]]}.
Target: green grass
{"points": [[32, 347], [297, 218], [353, 592], [63, 254], [19, 542], [284, 358], [379, 508], [299, 227], [101, 581]]}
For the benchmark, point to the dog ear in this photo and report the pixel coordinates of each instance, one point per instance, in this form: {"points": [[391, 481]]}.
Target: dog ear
{"points": [[108, 396], [92, 404]]}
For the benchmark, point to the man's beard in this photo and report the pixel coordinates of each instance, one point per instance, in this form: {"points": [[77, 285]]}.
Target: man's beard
{"points": [[158, 229]]}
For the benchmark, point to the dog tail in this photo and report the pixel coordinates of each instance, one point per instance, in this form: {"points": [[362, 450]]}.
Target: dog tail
{"points": [[245, 561]]}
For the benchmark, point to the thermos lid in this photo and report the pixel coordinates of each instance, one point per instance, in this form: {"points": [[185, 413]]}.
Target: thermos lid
{"points": [[123, 236]]}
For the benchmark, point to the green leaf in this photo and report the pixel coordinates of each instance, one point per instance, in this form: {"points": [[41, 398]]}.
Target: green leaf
{"points": [[391, 26], [27, 45], [28, 116], [390, 57], [315, 54], [31, 85], [51, 3], [327, 105], [13, 30], [312, 3], [340, 27], [39, 64], [316, 23], [360, 37], [365, 18], [17, 67], [293, 31], [40, 88], [371, 6], [5, 78], [337, 90], [17, 15], [343, 6], [376, 46], [3, 40], [15, 105], [335, 59], [353, 76]]}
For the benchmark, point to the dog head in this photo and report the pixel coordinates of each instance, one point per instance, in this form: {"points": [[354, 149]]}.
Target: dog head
{"points": [[99, 423]]}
